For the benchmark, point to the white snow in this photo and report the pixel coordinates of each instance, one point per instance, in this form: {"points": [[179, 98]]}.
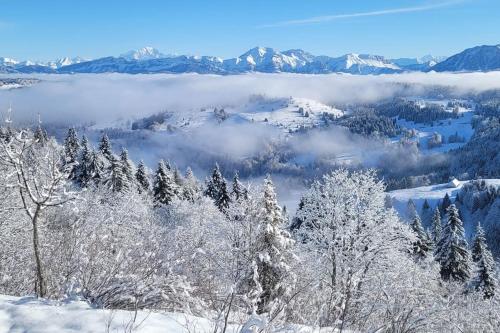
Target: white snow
{"points": [[145, 53], [31, 315], [289, 114]]}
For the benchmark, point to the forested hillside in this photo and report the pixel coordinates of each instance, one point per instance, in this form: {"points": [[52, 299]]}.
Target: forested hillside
{"points": [[86, 222]]}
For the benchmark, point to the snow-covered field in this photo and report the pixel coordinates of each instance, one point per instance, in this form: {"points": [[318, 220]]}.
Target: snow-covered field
{"points": [[288, 113], [31, 315]]}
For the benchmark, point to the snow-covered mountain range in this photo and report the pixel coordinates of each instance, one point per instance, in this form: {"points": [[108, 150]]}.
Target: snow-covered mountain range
{"points": [[260, 59]]}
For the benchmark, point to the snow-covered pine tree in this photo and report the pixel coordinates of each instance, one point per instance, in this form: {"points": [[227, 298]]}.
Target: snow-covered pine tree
{"points": [[190, 188], [217, 190], [297, 221], [239, 191], [117, 181], [426, 214], [142, 178], [71, 151], [411, 209], [40, 135], [96, 167], [484, 274], [105, 148], [224, 199], [127, 169], [425, 205], [423, 245], [453, 253], [164, 187], [446, 203], [272, 253], [436, 228], [85, 165], [212, 183]]}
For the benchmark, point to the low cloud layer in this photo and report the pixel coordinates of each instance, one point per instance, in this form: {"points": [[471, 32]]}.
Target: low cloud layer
{"points": [[105, 97]]}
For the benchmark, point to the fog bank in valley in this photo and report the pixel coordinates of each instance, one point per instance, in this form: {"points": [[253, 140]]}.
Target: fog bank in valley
{"points": [[98, 98]]}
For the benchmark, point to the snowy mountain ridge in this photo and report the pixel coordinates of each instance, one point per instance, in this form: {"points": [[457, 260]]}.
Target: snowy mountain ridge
{"points": [[261, 59], [257, 59], [480, 58]]}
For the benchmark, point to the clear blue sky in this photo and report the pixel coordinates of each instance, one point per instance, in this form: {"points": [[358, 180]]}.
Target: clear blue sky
{"points": [[44, 30]]}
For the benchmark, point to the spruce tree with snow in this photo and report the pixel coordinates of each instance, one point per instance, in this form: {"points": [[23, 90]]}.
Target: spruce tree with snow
{"points": [[411, 209], [105, 148], [423, 245], [164, 187], [40, 135], [96, 167], [190, 188], [127, 168], [446, 203], [272, 251], [426, 214], [297, 221], [118, 181], [484, 274], [217, 190], [239, 191], [436, 227], [142, 178], [71, 151], [426, 205], [89, 166], [452, 250], [212, 183]]}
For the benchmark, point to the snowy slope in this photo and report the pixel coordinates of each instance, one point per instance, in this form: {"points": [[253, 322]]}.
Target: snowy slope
{"points": [[289, 114], [433, 194], [30, 315], [479, 58], [461, 126]]}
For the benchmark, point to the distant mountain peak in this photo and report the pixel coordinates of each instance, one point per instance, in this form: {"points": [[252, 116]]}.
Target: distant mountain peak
{"points": [[145, 53]]}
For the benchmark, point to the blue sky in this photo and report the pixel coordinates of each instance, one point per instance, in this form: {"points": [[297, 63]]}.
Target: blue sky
{"points": [[45, 30]]}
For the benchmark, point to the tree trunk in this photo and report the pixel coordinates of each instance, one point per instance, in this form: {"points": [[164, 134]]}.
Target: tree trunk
{"points": [[41, 286]]}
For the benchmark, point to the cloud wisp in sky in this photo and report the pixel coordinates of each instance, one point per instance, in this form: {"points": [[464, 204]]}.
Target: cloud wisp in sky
{"points": [[329, 18]]}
